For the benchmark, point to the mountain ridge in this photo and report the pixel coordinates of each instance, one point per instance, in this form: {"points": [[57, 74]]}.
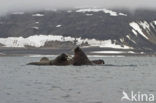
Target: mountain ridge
{"points": [[136, 30]]}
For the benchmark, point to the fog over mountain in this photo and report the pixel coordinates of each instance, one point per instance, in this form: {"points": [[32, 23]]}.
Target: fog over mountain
{"points": [[22, 5]]}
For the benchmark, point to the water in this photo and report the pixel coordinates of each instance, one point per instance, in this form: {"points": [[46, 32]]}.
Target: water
{"points": [[20, 83]]}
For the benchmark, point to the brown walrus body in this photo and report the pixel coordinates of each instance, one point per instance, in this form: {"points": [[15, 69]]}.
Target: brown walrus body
{"points": [[80, 58], [43, 61], [60, 60]]}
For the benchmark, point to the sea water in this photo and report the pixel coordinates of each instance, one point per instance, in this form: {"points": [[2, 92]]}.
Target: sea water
{"points": [[21, 83]]}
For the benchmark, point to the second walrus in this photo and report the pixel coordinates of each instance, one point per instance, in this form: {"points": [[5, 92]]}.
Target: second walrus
{"points": [[80, 58], [60, 60]]}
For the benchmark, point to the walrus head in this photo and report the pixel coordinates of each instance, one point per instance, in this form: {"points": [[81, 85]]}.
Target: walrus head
{"points": [[60, 60], [77, 49], [63, 57]]}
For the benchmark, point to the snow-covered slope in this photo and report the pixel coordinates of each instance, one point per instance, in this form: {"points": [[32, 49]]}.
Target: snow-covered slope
{"points": [[145, 30], [40, 40], [136, 27], [98, 26], [110, 12]]}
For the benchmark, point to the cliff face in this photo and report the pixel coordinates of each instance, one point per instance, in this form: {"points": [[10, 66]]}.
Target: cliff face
{"points": [[136, 30]]}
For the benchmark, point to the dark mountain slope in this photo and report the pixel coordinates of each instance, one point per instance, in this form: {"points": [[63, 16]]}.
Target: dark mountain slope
{"points": [[137, 29]]}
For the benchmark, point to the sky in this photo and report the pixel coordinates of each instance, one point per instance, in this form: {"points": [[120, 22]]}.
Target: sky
{"points": [[28, 5]]}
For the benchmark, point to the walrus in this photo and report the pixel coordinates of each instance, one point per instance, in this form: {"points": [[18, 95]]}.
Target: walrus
{"points": [[80, 58], [43, 61], [60, 60]]}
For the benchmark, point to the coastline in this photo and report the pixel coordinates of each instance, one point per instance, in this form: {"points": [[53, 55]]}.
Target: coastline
{"points": [[91, 51]]}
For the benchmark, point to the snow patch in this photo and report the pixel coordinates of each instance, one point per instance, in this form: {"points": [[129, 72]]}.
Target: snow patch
{"points": [[136, 27], [130, 39], [112, 13], [89, 14], [40, 15], [152, 25], [134, 32], [145, 25], [122, 14], [58, 26], [132, 52], [35, 27], [40, 40], [105, 43], [37, 22], [154, 22], [122, 40]]}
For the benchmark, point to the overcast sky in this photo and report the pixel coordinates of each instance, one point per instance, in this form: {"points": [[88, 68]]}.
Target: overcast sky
{"points": [[20, 5]]}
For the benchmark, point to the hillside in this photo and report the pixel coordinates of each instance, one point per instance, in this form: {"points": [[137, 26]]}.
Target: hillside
{"points": [[123, 28]]}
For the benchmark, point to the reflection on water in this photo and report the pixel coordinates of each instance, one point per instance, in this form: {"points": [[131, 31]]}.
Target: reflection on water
{"points": [[20, 83]]}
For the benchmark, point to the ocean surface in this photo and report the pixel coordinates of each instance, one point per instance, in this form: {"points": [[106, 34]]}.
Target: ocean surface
{"points": [[21, 83]]}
